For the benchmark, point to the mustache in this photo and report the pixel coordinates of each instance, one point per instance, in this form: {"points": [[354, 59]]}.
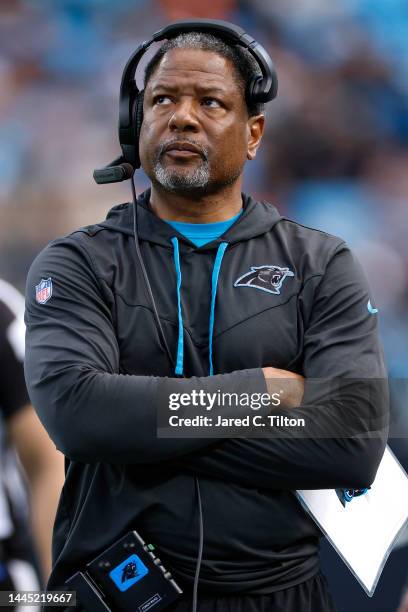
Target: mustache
{"points": [[203, 151]]}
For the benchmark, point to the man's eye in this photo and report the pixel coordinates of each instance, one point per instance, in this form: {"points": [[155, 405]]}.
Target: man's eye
{"points": [[161, 100], [211, 102]]}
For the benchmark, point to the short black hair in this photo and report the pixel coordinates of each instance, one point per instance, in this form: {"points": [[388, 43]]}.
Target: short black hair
{"points": [[246, 66]]}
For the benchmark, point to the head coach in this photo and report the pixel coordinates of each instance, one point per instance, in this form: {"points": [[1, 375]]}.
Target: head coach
{"points": [[196, 286]]}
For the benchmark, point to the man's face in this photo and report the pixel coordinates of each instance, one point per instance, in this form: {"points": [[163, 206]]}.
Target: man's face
{"points": [[196, 134]]}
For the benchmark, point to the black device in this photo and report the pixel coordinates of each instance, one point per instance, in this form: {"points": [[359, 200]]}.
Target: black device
{"points": [[127, 577], [260, 89]]}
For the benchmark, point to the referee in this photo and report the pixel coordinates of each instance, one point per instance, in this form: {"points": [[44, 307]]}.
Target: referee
{"points": [[28, 497], [245, 298]]}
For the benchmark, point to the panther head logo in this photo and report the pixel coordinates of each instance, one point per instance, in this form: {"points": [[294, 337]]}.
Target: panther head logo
{"points": [[267, 278], [129, 571]]}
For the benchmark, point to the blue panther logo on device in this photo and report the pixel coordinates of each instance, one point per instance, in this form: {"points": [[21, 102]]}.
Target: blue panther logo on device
{"points": [[127, 573], [267, 278]]}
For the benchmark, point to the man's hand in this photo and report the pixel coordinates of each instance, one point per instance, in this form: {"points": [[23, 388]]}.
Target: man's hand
{"points": [[403, 607], [288, 385]]}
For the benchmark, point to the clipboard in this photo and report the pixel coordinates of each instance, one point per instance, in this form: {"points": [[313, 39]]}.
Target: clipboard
{"points": [[364, 530]]}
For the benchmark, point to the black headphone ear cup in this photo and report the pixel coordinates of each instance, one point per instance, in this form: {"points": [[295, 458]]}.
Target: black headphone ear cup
{"points": [[255, 86], [137, 122], [255, 92]]}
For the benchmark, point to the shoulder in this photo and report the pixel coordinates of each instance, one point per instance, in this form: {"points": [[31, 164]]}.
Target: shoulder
{"points": [[316, 245], [308, 250], [325, 262], [92, 245], [61, 253], [66, 262]]}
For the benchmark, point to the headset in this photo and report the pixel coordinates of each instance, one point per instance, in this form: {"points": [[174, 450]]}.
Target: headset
{"points": [[260, 89]]}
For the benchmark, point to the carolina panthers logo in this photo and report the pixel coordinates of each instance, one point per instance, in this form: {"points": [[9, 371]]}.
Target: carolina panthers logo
{"points": [[266, 278], [129, 571]]}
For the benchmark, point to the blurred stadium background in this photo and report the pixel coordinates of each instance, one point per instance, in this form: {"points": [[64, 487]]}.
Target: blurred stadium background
{"points": [[334, 156]]}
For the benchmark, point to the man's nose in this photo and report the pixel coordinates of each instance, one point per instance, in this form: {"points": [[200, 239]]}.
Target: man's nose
{"points": [[184, 117]]}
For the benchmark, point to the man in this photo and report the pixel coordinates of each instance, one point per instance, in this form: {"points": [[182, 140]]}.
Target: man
{"points": [[260, 304], [25, 562]]}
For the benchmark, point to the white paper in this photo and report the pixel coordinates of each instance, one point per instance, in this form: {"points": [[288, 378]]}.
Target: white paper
{"points": [[364, 531]]}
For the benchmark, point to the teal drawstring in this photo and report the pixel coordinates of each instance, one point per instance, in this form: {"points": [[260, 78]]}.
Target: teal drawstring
{"points": [[180, 343], [214, 283]]}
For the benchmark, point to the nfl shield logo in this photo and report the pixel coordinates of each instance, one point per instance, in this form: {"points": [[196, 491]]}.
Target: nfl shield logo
{"points": [[43, 291]]}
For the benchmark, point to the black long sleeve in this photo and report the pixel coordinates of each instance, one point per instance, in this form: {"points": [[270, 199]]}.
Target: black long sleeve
{"points": [[342, 350], [91, 411]]}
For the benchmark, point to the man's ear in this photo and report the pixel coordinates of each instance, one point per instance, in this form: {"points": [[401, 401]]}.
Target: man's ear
{"points": [[255, 127]]}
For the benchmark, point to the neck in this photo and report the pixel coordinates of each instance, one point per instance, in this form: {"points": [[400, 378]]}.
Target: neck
{"points": [[210, 208]]}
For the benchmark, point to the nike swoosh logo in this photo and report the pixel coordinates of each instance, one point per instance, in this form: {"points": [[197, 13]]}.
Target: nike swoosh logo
{"points": [[371, 309]]}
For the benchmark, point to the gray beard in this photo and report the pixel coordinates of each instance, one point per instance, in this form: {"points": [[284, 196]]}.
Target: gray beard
{"points": [[192, 180]]}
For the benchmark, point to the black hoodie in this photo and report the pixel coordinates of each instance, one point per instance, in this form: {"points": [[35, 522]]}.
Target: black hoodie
{"points": [[269, 292]]}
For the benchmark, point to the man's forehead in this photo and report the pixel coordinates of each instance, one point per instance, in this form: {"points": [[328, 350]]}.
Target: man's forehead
{"points": [[196, 64]]}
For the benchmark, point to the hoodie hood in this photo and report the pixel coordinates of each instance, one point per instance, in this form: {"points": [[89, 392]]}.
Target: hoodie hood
{"points": [[256, 219]]}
